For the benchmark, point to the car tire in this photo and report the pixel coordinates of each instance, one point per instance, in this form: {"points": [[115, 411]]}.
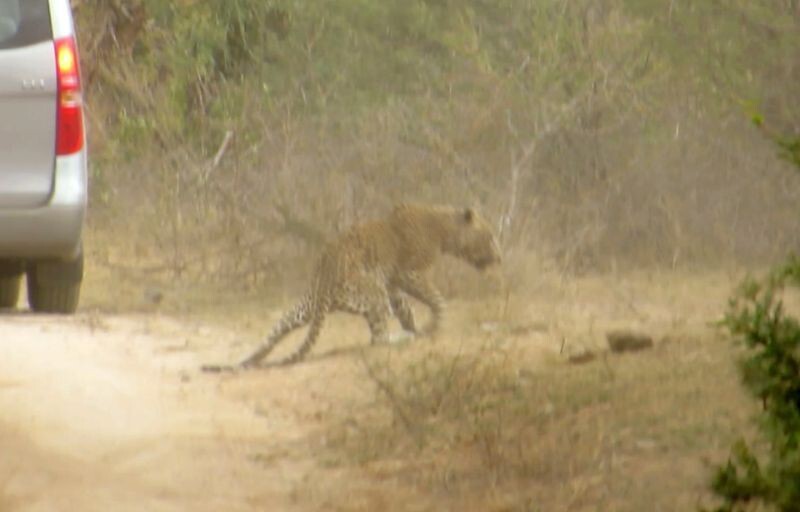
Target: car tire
{"points": [[54, 286], [10, 274]]}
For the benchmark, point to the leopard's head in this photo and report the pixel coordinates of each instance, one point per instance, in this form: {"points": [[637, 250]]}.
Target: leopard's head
{"points": [[475, 242]]}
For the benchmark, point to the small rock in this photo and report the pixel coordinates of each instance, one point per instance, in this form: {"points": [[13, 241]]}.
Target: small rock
{"points": [[628, 341], [583, 357]]}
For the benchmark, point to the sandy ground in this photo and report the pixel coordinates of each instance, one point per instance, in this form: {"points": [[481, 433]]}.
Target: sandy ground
{"points": [[111, 413]]}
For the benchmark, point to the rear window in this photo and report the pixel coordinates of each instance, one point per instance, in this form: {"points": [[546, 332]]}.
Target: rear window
{"points": [[24, 22]]}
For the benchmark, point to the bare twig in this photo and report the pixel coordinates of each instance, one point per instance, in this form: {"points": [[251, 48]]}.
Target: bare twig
{"points": [[223, 147]]}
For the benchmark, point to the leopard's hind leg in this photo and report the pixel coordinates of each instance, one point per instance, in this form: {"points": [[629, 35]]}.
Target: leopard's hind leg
{"points": [[317, 314]]}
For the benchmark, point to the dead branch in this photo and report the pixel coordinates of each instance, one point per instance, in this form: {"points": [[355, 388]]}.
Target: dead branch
{"points": [[223, 147]]}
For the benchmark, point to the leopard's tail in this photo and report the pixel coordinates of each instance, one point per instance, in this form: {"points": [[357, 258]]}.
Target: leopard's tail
{"points": [[311, 310]]}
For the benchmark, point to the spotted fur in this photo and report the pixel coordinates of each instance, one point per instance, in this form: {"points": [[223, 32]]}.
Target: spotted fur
{"points": [[372, 268]]}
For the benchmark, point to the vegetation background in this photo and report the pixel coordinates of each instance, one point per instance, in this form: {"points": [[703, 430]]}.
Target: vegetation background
{"points": [[610, 141], [228, 138]]}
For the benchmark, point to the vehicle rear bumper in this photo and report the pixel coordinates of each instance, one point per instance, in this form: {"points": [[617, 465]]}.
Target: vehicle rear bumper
{"points": [[52, 230]]}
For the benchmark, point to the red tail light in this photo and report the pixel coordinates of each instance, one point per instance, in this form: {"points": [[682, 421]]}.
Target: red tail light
{"points": [[69, 109]]}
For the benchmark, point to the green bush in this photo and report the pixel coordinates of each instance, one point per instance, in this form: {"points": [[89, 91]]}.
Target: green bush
{"points": [[771, 371]]}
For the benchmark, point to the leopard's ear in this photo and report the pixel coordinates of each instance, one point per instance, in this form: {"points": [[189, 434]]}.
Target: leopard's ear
{"points": [[469, 215]]}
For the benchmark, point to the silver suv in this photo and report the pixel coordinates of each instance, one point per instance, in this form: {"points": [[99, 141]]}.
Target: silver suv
{"points": [[43, 177]]}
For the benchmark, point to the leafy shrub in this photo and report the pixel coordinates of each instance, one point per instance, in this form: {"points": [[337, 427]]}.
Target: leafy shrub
{"points": [[771, 371]]}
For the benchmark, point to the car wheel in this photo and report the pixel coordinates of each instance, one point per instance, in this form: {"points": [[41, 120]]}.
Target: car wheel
{"points": [[54, 286], [10, 273]]}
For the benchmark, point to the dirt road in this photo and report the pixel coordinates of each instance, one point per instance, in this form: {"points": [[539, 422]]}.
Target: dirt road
{"points": [[112, 414]]}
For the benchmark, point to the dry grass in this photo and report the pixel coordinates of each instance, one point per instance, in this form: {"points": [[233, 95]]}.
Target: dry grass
{"points": [[490, 416], [485, 432], [495, 419]]}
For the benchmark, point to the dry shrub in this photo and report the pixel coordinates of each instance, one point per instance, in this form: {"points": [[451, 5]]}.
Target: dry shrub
{"points": [[492, 430], [571, 126], [438, 401]]}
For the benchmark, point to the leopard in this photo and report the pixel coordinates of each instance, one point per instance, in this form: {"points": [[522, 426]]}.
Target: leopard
{"points": [[373, 269]]}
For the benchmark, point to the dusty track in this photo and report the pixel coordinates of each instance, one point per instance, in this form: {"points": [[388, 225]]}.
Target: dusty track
{"points": [[111, 413]]}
